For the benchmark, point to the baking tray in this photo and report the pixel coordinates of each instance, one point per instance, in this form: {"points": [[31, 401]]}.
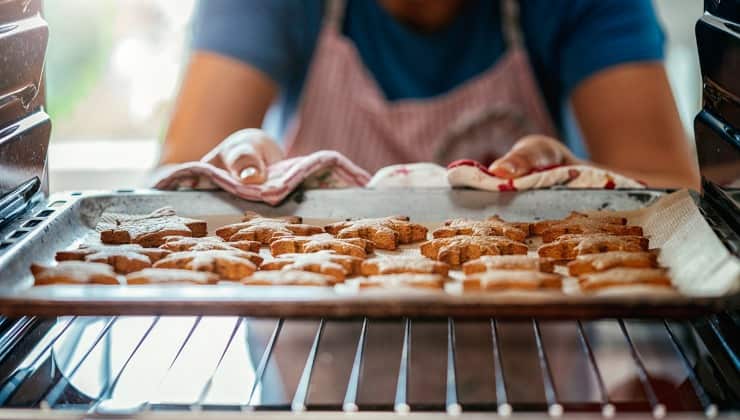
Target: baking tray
{"points": [[64, 219]]}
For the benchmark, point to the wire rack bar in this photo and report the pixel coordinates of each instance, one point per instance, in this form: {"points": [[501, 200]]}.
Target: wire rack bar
{"points": [[554, 409], [15, 334], [147, 405], [401, 404], [350, 397], [607, 408], [715, 327], [209, 383], [107, 391], [264, 360], [710, 409], [452, 403], [723, 380], [56, 391], [502, 399], [658, 409], [301, 393], [19, 376]]}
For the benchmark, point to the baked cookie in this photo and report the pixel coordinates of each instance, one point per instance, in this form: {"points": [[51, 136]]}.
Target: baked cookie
{"points": [[603, 217], [403, 265], [254, 227], [568, 247], [150, 230], [227, 264], [170, 276], [460, 249], [384, 232], [493, 226], [288, 278], [497, 280], [403, 281], [587, 226], [123, 258], [356, 247], [323, 262], [590, 263], [207, 243], [74, 272], [508, 262], [624, 277]]}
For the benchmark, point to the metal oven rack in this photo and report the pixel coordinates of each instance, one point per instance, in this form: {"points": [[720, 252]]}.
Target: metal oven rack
{"points": [[229, 367], [46, 366]]}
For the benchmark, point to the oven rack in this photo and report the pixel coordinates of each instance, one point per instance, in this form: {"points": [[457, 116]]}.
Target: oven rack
{"points": [[41, 360]]}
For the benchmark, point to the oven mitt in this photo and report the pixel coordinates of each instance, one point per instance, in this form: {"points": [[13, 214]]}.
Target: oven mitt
{"points": [[322, 169], [418, 175], [469, 173]]}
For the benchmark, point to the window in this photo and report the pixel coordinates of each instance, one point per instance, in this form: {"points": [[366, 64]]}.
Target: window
{"points": [[113, 66]]}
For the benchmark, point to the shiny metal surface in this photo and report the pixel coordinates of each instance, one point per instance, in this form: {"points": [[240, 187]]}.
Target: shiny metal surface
{"points": [[217, 367], [24, 127], [67, 218]]}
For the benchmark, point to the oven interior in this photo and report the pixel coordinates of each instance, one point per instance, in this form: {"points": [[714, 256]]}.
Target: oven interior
{"points": [[218, 367], [213, 366]]}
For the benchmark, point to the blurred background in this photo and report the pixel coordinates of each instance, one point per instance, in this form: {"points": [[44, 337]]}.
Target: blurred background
{"points": [[113, 69]]}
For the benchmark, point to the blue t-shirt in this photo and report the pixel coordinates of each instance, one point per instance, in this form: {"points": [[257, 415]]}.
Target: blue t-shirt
{"points": [[567, 40]]}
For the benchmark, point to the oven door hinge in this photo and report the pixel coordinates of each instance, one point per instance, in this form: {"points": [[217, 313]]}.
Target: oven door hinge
{"points": [[721, 212], [16, 202]]}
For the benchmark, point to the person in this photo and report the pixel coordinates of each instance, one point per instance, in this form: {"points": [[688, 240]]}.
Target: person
{"points": [[397, 81]]}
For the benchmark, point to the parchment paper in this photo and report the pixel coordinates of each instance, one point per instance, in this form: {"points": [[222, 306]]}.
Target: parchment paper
{"points": [[698, 262], [700, 265]]}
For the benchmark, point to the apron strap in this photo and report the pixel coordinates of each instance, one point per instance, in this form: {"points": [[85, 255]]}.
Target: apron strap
{"points": [[334, 13], [511, 24]]}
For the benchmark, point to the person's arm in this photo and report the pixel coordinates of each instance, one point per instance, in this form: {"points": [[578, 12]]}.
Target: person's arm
{"points": [[610, 69], [219, 95], [630, 123]]}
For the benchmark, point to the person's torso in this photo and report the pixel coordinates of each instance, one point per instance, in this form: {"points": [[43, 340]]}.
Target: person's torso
{"points": [[407, 63]]}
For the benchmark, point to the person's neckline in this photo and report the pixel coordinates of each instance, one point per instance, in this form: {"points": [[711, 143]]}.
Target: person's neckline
{"points": [[442, 32]]}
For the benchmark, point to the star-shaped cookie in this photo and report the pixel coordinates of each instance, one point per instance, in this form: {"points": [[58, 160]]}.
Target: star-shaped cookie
{"points": [[499, 280], [403, 281], [356, 247], [288, 278], [508, 262], [207, 243], [493, 226], [324, 262], [460, 249], [150, 230], [591, 263], [231, 265], [586, 226], [123, 258], [403, 264], [254, 227], [385, 232], [74, 272], [624, 277], [168, 276], [568, 247], [540, 227]]}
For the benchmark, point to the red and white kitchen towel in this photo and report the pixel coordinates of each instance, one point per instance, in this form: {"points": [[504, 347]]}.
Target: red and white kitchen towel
{"points": [[467, 173], [322, 169], [330, 169]]}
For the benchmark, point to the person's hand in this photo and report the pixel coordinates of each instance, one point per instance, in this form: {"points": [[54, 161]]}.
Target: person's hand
{"points": [[531, 153], [246, 155]]}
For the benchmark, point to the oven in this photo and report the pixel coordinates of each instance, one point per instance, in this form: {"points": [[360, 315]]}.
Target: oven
{"points": [[214, 356]]}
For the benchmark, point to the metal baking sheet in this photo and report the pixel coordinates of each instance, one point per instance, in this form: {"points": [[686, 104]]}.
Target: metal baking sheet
{"points": [[63, 220]]}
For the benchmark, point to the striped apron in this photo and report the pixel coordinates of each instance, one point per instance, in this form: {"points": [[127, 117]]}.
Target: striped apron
{"points": [[342, 107]]}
